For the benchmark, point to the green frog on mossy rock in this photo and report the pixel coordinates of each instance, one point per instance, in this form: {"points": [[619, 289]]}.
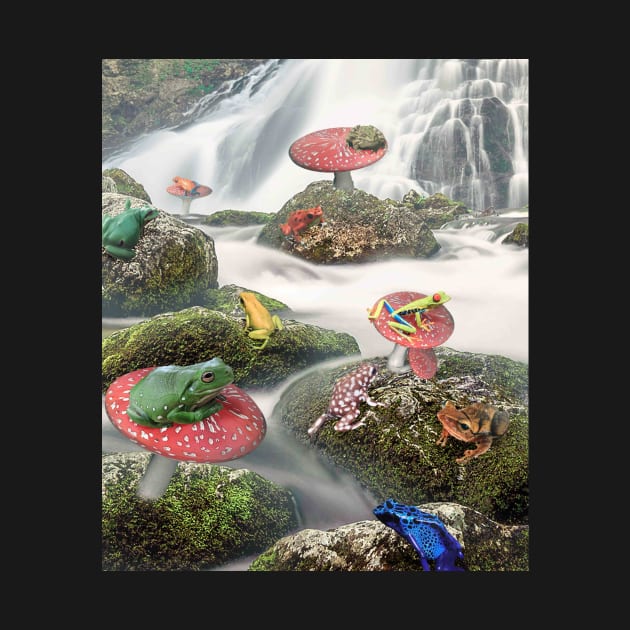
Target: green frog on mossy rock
{"points": [[122, 232], [180, 394]]}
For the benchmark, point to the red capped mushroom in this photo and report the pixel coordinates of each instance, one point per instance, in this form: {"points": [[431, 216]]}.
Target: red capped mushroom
{"points": [[329, 151], [230, 433], [439, 322], [188, 190], [423, 362]]}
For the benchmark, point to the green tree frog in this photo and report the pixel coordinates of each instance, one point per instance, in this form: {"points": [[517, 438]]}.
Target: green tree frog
{"points": [[179, 394]]}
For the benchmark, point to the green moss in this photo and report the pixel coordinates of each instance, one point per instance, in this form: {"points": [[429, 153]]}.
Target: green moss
{"points": [[509, 377], [266, 561], [203, 519], [518, 236], [238, 217], [126, 185]]}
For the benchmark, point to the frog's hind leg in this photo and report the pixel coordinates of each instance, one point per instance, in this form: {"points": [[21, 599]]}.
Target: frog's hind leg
{"points": [[318, 423]]}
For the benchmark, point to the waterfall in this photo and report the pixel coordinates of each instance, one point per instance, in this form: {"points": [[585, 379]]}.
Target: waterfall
{"points": [[456, 126]]}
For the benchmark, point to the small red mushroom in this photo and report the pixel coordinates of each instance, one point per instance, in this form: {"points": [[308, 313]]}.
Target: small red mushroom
{"points": [[188, 190], [232, 432], [421, 361], [328, 151]]}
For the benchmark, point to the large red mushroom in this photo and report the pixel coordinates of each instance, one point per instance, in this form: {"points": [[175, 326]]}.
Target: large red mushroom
{"points": [[418, 346], [188, 190], [339, 150], [230, 433]]}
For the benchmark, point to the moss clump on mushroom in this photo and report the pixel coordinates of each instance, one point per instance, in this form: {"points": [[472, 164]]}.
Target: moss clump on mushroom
{"points": [[208, 515], [365, 137]]}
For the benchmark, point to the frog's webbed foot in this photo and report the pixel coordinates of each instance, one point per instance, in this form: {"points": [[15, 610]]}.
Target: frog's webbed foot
{"points": [[424, 324], [373, 403], [262, 346], [482, 447], [441, 441]]}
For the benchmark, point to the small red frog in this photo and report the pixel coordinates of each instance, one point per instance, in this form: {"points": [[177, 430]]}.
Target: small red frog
{"points": [[189, 186], [299, 220]]}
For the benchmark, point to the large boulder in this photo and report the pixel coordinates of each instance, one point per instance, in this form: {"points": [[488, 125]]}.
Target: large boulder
{"points": [[372, 546], [197, 334], [207, 516], [395, 453], [174, 265], [358, 227]]}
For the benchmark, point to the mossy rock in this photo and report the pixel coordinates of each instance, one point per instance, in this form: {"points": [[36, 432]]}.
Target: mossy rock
{"points": [[518, 236], [358, 227], [126, 185], [197, 334], [224, 218], [207, 516], [395, 453], [226, 300], [372, 546], [173, 267], [437, 209]]}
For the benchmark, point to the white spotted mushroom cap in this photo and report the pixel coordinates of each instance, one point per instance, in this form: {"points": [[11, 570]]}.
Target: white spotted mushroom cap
{"points": [[228, 434], [327, 151]]}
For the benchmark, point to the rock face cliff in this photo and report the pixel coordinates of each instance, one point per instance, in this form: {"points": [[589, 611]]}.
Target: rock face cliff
{"points": [[143, 95]]}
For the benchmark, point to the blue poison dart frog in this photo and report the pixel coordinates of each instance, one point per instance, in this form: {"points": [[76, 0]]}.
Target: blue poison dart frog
{"points": [[425, 531]]}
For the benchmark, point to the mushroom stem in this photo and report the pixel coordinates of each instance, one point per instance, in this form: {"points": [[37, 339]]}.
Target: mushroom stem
{"points": [[186, 201], [343, 181], [156, 477], [397, 360]]}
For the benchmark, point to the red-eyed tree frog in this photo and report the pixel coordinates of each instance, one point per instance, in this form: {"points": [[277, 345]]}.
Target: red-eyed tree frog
{"points": [[416, 306]]}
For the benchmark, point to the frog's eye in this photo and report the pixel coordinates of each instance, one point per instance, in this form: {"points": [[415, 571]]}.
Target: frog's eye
{"points": [[121, 243], [464, 426], [207, 377], [309, 215], [437, 297]]}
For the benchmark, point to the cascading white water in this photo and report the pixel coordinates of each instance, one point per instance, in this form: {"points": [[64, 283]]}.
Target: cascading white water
{"points": [[430, 111]]}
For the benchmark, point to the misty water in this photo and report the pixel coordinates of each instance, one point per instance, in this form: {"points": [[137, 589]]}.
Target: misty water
{"points": [[239, 147]]}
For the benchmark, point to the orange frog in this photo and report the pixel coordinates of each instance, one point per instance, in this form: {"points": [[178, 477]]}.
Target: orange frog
{"points": [[189, 186], [478, 423], [299, 220]]}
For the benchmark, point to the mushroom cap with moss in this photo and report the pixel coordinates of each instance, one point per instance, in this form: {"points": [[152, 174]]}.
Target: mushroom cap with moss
{"points": [[329, 151]]}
